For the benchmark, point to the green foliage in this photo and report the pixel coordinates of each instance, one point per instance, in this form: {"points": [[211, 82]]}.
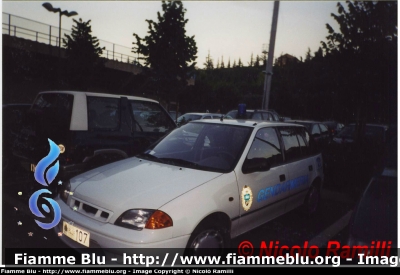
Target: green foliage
{"points": [[222, 66], [365, 54], [240, 64], [251, 63], [362, 25], [257, 61], [209, 62], [83, 54], [167, 50]]}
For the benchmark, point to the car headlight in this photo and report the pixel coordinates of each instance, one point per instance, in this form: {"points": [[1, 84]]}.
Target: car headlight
{"points": [[138, 219], [65, 191]]}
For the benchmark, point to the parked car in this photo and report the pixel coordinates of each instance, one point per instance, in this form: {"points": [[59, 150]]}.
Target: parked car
{"points": [[182, 120], [350, 157], [375, 217], [334, 127], [94, 128], [206, 182], [13, 116], [318, 130], [174, 115], [255, 115]]}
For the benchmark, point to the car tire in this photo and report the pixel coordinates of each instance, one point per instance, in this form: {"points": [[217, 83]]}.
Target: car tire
{"points": [[208, 239], [312, 201]]}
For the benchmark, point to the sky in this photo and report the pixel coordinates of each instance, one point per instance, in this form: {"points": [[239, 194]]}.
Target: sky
{"points": [[226, 30]]}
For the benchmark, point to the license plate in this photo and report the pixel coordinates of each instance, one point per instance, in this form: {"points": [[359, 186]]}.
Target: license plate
{"points": [[76, 234]]}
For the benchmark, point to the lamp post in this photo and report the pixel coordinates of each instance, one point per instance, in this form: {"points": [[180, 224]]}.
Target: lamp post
{"points": [[268, 69], [49, 7]]}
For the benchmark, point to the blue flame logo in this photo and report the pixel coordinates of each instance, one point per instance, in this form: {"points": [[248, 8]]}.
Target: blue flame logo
{"points": [[35, 210], [40, 178], [45, 162]]}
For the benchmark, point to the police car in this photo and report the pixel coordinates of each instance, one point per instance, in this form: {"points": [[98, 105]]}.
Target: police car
{"points": [[203, 184]]}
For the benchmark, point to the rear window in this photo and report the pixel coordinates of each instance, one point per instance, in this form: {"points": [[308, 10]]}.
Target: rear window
{"points": [[55, 109]]}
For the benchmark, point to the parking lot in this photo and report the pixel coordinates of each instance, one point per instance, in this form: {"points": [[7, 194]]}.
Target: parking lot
{"points": [[330, 223]]}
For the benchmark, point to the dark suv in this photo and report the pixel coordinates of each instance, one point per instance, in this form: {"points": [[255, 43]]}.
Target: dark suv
{"points": [[94, 128]]}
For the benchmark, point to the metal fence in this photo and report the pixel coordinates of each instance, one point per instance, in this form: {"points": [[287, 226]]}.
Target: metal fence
{"points": [[29, 29]]}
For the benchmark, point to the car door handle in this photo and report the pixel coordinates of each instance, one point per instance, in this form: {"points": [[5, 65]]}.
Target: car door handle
{"points": [[282, 177], [310, 168]]}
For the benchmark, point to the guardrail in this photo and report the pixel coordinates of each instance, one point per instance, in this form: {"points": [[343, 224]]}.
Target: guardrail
{"points": [[42, 33]]}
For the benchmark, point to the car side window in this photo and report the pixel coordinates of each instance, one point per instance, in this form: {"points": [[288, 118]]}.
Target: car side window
{"points": [[207, 117], [257, 116], [324, 129], [312, 147], [304, 138], [266, 145], [150, 117], [103, 113], [315, 130], [291, 143]]}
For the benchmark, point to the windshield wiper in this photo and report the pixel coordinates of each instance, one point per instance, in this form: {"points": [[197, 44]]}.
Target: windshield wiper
{"points": [[178, 162], [149, 157]]}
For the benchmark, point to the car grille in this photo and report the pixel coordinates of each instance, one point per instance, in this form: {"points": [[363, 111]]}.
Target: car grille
{"points": [[90, 210]]}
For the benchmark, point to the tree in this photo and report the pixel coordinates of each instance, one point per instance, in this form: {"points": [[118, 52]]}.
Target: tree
{"points": [[209, 62], [222, 63], [234, 64], [218, 63], [362, 25], [365, 52], [229, 63], [167, 50], [257, 62], [240, 64], [251, 63], [83, 54], [264, 59], [308, 55]]}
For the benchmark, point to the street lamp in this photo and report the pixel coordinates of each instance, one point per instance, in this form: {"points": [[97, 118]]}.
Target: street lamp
{"points": [[49, 7]]}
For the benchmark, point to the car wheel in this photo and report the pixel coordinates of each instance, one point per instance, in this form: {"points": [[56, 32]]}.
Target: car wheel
{"points": [[208, 239], [312, 201]]}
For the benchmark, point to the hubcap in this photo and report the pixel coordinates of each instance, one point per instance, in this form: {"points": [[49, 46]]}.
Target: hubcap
{"points": [[208, 239]]}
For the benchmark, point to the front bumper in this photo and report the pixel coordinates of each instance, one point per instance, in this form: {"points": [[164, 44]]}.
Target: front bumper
{"points": [[106, 235]]}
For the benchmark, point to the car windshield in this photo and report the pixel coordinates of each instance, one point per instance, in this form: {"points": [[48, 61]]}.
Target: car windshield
{"points": [[374, 133], [202, 146], [186, 118]]}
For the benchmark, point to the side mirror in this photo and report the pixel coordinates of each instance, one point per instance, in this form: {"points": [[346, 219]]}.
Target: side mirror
{"points": [[255, 165]]}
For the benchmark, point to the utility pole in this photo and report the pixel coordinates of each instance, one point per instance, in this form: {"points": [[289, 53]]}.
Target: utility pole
{"points": [[268, 70]]}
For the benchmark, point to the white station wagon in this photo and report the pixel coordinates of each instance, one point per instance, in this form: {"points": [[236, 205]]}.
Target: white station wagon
{"points": [[203, 184]]}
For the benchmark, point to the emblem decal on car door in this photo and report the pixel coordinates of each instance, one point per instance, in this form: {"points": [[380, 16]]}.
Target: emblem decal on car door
{"points": [[247, 198]]}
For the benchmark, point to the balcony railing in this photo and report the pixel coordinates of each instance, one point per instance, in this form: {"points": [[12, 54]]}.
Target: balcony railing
{"points": [[32, 30]]}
